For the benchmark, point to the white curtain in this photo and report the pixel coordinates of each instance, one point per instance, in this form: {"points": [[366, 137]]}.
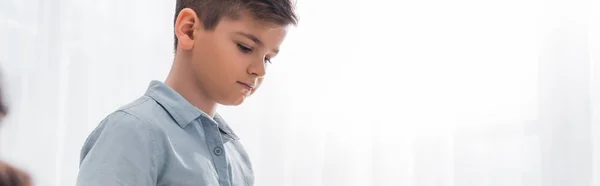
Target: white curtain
{"points": [[365, 93]]}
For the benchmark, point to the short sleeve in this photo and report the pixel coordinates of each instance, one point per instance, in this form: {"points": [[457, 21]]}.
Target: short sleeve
{"points": [[120, 151]]}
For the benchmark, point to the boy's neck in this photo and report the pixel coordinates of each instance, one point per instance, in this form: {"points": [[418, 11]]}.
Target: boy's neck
{"points": [[182, 80]]}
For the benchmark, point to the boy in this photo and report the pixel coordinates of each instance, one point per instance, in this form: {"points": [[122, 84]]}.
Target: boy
{"points": [[172, 135]]}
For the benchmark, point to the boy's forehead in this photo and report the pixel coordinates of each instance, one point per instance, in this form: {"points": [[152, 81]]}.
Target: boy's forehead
{"points": [[246, 23]]}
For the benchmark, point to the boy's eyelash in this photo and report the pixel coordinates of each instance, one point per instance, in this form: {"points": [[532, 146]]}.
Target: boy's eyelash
{"points": [[248, 50], [244, 49]]}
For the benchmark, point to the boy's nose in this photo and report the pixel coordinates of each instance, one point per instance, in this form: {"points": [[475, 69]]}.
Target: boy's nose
{"points": [[257, 69]]}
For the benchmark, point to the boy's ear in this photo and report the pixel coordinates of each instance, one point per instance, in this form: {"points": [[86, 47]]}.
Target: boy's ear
{"points": [[185, 27]]}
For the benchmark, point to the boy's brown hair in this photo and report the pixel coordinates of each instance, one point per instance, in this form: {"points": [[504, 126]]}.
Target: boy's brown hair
{"points": [[279, 12]]}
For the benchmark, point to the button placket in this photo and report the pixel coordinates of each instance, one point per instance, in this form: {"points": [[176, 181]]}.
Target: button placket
{"points": [[215, 145]]}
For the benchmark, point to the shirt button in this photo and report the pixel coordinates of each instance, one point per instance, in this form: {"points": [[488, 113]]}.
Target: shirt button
{"points": [[218, 151]]}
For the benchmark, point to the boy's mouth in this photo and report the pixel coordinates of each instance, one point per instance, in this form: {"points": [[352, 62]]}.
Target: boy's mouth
{"points": [[248, 86]]}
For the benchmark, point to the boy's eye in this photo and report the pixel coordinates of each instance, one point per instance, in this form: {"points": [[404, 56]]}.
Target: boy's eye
{"points": [[248, 50], [244, 49]]}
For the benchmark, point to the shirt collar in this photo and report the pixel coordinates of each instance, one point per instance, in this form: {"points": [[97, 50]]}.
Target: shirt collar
{"points": [[224, 127], [182, 111]]}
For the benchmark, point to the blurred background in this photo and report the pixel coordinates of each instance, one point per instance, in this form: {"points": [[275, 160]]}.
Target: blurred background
{"points": [[364, 93]]}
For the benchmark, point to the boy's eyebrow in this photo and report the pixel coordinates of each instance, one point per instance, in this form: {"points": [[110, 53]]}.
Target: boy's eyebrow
{"points": [[250, 36], [255, 39]]}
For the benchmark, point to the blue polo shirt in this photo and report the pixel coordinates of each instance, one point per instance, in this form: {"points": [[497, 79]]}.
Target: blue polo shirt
{"points": [[162, 139]]}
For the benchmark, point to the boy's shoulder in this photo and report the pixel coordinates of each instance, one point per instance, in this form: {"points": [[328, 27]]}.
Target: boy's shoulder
{"points": [[129, 130], [137, 118], [139, 115]]}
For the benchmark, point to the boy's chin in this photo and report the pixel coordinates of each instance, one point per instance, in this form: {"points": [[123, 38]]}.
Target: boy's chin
{"points": [[234, 102]]}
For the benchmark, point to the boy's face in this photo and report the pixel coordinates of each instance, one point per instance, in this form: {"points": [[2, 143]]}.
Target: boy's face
{"points": [[230, 62]]}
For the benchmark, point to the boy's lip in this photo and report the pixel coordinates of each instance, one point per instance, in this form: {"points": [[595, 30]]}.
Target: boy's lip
{"points": [[250, 86]]}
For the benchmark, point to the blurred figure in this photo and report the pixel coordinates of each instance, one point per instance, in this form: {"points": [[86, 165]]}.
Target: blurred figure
{"points": [[3, 109], [10, 176]]}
